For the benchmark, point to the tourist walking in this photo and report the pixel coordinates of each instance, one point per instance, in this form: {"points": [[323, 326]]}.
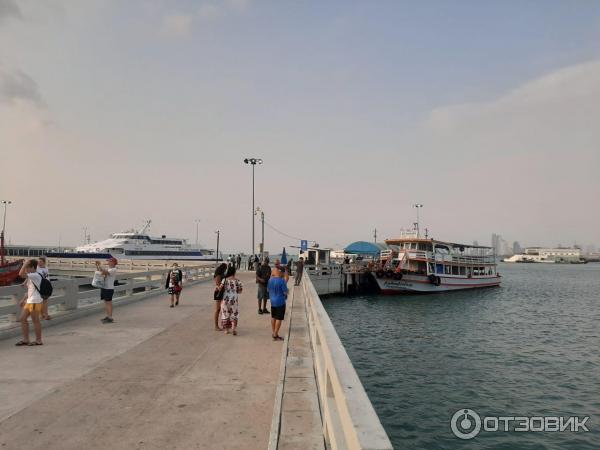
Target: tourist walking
{"points": [[278, 292], [263, 273], [299, 270], [174, 284], [32, 304], [107, 292], [250, 262], [230, 303], [238, 260], [45, 273], [219, 276]]}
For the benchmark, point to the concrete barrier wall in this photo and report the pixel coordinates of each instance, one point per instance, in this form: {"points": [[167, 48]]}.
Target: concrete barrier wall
{"points": [[75, 297], [349, 420]]}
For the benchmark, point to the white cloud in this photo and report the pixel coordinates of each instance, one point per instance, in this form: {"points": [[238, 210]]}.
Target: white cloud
{"points": [[176, 25], [208, 12]]}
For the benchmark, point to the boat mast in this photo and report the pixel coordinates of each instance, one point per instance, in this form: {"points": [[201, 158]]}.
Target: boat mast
{"points": [[5, 203], [145, 227]]}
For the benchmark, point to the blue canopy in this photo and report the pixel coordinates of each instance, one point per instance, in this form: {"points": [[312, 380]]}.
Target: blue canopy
{"points": [[365, 248]]}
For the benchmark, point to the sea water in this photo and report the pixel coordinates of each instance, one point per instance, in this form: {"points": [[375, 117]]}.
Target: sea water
{"points": [[528, 348]]}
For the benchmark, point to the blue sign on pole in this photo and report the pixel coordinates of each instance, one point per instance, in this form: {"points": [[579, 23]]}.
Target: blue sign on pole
{"points": [[303, 245]]}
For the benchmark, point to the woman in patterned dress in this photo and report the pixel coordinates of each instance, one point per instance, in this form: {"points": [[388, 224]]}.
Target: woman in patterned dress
{"points": [[229, 304]]}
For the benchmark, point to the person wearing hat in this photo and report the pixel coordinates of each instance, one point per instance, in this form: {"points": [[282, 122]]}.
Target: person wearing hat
{"points": [[107, 292]]}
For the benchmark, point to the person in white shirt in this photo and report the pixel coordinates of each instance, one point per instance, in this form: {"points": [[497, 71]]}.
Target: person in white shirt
{"points": [[107, 292], [43, 271], [32, 304]]}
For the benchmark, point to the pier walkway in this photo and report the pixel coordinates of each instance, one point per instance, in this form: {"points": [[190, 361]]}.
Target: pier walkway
{"points": [[157, 378]]}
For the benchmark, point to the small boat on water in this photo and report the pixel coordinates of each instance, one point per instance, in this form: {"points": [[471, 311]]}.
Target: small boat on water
{"points": [[412, 264]]}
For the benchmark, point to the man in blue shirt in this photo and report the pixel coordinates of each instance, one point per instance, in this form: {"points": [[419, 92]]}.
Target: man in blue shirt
{"points": [[278, 292]]}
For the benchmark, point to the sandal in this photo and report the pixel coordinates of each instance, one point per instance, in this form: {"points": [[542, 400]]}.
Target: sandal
{"points": [[37, 343], [234, 332], [23, 343]]}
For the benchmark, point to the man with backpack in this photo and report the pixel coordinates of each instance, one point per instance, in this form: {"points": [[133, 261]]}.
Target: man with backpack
{"points": [[37, 287]]}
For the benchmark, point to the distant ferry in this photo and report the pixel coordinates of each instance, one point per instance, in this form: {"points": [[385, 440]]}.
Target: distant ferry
{"points": [[412, 264], [139, 245]]}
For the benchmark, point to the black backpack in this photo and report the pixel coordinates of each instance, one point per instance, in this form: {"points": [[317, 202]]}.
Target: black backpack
{"points": [[45, 288]]}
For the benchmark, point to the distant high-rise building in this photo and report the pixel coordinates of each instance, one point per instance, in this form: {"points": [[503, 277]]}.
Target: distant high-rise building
{"points": [[517, 248], [475, 243], [496, 238]]}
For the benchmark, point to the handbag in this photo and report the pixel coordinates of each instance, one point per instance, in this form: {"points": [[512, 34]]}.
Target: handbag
{"points": [[220, 291], [98, 280]]}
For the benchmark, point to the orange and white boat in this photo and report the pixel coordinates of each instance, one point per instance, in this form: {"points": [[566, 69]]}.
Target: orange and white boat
{"points": [[9, 271], [412, 264]]}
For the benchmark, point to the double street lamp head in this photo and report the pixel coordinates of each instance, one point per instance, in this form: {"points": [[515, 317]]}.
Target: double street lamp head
{"points": [[253, 161]]}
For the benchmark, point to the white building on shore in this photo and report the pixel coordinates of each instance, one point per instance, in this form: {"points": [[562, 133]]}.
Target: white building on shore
{"points": [[547, 255]]}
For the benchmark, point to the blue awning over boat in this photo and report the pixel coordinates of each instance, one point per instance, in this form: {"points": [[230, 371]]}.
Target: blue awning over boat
{"points": [[365, 248]]}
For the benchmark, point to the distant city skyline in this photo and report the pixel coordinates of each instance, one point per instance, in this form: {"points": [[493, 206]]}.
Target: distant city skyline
{"points": [[112, 113]]}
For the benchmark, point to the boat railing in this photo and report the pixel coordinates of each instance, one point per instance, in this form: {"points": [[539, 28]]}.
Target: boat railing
{"points": [[349, 419], [72, 295]]}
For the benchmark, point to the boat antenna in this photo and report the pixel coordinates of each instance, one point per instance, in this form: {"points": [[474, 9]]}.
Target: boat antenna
{"points": [[145, 227]]}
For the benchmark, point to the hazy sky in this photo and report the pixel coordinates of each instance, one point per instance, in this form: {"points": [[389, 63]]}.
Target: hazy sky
{"points": [[488, 113]]}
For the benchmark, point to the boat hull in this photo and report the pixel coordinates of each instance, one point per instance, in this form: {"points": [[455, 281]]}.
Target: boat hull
{"points": [[422, 284], [9, 272]]}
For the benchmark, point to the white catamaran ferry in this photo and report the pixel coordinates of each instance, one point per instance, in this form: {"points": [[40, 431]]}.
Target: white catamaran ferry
{"points": [[413, 264], [140, 245]]}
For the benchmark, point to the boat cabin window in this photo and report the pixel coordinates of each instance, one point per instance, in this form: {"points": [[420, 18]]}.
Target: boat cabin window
{"points": [[461, 270], [447, 270], [455, 270], [312, 258]]}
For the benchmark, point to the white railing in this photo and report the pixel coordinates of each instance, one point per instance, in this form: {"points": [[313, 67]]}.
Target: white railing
{"points": [[77, 293], [130, 265], [349, 420]]}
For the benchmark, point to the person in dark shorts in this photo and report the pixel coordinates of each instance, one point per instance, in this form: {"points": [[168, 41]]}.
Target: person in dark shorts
{"points": [[299, 270], [263, 273], [278, 292], [174, 283], [107, 292]]}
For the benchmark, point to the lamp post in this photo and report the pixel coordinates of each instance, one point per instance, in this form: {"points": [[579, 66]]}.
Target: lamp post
{"points": [[197, 221], [262, 242], [218, 233], [418, 206], [253, 162], [5, 203]]}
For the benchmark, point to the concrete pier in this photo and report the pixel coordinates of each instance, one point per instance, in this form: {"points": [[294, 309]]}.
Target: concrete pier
{"points": [[157, 378], [163, 378]]}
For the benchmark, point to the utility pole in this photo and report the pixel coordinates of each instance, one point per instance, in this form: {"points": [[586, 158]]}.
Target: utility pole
{"points": [[218, 232], [375, 235], [253, 162], [262, 242], [418, 206], [197, 221]]}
